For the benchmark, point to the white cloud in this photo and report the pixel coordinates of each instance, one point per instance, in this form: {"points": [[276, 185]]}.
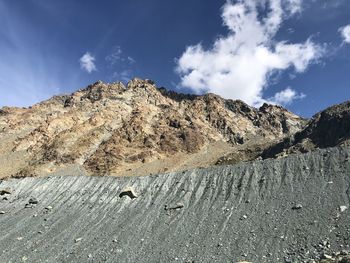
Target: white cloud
{"points": [[87, 63], [124, 75], [294, 6], [131, 60], [286, 97], [116, 57], [345, 32], [121, 65], [239, 65]]}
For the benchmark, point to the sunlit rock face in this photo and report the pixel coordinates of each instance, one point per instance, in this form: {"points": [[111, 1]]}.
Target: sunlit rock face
{"points": [[137, 129]]}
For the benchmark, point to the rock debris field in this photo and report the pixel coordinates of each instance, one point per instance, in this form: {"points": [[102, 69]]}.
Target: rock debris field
{"points": [[291, 209]]}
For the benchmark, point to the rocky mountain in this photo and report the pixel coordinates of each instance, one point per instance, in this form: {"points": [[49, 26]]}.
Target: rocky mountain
{"points": [[136, 129], [211, 213], [327, 128]]}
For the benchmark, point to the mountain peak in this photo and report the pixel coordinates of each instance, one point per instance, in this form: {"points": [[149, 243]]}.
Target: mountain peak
{"points": [[110, 128]]}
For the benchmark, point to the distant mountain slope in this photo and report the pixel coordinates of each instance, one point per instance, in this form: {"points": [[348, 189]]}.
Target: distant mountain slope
{"points": [[327, 128], [137, 129]]}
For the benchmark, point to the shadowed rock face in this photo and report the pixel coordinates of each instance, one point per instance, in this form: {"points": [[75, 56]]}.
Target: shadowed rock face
{"points": [[278, 210], [137, 129], [328, 128]]}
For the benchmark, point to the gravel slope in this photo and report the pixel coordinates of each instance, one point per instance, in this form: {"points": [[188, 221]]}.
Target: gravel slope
{"points": [[284, 210]]}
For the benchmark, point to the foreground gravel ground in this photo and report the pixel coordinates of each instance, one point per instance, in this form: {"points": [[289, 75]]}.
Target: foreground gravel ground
{"points": [[285, 210]]}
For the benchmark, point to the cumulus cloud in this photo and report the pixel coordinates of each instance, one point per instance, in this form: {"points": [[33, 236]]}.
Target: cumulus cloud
{"points": [[87, 63], [345, 33], [239, 65], [286, 96]]}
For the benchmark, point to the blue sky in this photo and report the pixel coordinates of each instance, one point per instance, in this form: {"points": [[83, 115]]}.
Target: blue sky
{"points": [[291, 52]]}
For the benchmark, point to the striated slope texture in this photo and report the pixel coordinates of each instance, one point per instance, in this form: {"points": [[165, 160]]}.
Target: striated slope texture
{"points": [[278, 210], [136, 129], [328, 128]]}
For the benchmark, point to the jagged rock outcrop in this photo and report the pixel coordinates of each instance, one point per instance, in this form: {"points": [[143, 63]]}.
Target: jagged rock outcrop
{"points": [[134, 129], [327, 128]]}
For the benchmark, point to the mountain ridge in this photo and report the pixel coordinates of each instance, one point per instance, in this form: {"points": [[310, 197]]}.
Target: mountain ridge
{"points": [[135, 129], [328, 128]]}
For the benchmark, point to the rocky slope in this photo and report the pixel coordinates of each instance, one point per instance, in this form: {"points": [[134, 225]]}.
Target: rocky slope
{"points": [[278, 210], [328, 128], [135, 129]]}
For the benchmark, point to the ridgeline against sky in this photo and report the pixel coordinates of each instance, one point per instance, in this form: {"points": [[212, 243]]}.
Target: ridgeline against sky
{"points": [[290, 52]]}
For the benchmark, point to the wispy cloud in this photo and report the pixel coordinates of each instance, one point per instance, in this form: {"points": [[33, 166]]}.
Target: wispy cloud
{"points": [[124, 75], [87, 63], [131, 60], [240, 64], [121, 65], [115, 56], [345, 33]]}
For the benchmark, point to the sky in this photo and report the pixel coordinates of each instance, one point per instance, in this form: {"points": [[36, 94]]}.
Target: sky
{"points": [[290, 52]]}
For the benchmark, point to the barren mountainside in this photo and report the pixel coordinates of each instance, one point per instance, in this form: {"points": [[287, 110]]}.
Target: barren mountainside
{"points": [[327, 128], [136, 129], [211, 213]]}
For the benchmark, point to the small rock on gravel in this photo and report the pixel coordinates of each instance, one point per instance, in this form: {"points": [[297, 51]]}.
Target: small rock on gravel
{"points": [[33, 201], [325, 256], [128, 191], [297, 207], [6, 191], [77, 240], [174, 207], [342, 208]]}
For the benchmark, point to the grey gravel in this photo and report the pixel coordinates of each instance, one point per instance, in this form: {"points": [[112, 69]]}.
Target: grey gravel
{"points": [[213, 201]]}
